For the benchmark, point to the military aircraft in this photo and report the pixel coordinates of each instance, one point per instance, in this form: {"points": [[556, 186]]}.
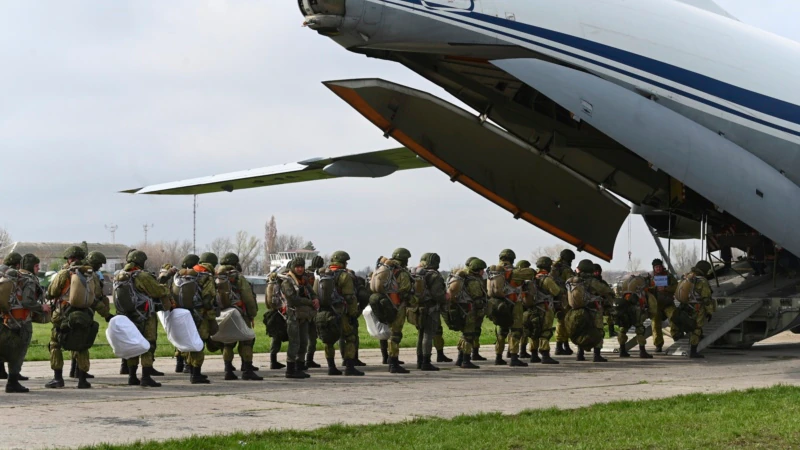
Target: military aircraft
{"points": [[675, 106]]}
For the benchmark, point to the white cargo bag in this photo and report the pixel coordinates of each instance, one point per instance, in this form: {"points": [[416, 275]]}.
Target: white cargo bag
{"points": [[181, 330], [232, 327], [378, 330], [125, 339]]}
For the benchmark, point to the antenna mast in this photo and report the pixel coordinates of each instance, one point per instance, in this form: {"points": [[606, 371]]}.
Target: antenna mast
{"points": [[112, 228]]}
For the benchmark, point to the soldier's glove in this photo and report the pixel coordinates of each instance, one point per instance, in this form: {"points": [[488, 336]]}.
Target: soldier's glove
{"points": [[109, 317]]}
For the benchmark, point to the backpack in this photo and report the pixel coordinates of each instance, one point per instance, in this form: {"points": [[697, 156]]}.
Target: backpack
{"points": [[578, 292], [496, 281], [384, 279], [634, 284], [186, 289], [80, 288], [275, 323], [382, 308], [583, 332], [227, 288], [325, 286], [419, 287], [78, 330], [500, 311], [682, 319], [274, 295], [534, 294], [128, 300], [685, 292], [329, 326], [455, 317], [455, 288], [8, 291]]}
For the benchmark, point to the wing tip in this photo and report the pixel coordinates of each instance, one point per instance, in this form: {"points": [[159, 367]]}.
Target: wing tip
{"points": [[131, 191]]}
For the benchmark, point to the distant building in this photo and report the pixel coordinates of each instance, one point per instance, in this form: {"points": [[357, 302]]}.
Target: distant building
{"points": [[47, 252], [281, 259]]}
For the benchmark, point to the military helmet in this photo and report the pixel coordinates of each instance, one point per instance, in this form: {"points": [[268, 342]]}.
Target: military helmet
{"points": [[137, 257], [339, 256], [657, 262], [466, 263], [567, 255], [13, 259], [476, 265], [29, 261], [96, 259], [703, 266], [586, 266], [74, 252], [190, 261], [508, 255], [544, 262], [209, 258], [229, 259], [523, 264], [597, 268], [297, 261], [401, 254], [318, 261], [430, 260]]}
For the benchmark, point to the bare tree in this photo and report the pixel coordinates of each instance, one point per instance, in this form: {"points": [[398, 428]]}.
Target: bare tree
{"points": [[164, 252], [286, 242], [5, 237], [551, 250], [247, 249], [270, 236], [634, 264], [684, 257], [220, 246]]}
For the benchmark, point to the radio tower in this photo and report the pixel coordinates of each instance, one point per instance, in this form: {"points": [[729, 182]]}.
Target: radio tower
{"points": [[113, 230], [146, 228]]}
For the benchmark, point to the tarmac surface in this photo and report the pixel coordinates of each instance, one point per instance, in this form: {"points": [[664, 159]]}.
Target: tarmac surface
{"points": [[113, 412]]}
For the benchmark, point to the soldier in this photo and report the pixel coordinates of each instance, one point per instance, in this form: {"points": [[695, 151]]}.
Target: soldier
{"points": [[514, 333], [427, 310], [300, 300], [538, 318], [401, 299], [316, 263], [524, 337], [561, 272], [59, 291], [473, 292], [337, 297], [632, 309], [166, 278], [598, 274], [480, 313], [664, 286], [246, 306], [147, 290], [96, 261], [206, 316], [11, 261], [701, 304], [252, 325], [595, 295]]}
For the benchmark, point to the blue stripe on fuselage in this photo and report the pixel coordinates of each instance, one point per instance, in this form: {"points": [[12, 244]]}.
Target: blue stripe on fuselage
{"points": [[743, 97]]}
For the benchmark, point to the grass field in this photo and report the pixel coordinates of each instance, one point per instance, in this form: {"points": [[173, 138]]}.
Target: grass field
{"points": [[758, 418]]}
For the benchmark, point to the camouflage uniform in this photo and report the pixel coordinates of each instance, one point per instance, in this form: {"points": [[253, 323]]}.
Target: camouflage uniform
{"points": [[593, 309], [205, 319], [15, 333], [406, 298], [561, 273], [347, 311], [428, 309], [474, 293], [664, 304], [634, 306], [701, 304], [248, 308], [300, 302], [514, 333], [538, 319]]}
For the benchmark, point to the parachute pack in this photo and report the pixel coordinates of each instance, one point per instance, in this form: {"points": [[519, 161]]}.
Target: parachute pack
{"points": [[418, 285], [383, 308], [8, 290], [127, 299], [329, 326], [455, 288], [325, 286], [685, 292], [80, 288], [634, 284], [227, 282], [186, 289], [273, 294], [384, 279], [578, 293], [78, 330], [582, 328], [506, 282]]}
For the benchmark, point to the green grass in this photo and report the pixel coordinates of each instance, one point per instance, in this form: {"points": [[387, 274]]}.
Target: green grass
{"points": [[757, 418], [101, 350]]}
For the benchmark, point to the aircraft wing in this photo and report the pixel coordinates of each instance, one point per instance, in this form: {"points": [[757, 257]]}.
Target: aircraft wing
{"points": [[364, 165]]}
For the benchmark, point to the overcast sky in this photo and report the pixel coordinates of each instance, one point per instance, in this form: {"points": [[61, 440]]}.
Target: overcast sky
{"points": [[103, 96]]}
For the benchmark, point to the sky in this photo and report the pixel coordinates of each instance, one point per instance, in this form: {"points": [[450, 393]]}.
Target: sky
{"points": [[97, 97]]}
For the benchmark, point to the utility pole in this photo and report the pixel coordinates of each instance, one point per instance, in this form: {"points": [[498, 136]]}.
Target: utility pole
{"points": [[194, 226], [146, 228], [112, 229]]}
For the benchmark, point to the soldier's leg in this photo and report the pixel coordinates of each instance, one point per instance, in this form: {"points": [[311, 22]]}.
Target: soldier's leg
{"points": [[56, 357], [610, 323], [548, 316], [294, 330], [622, 336], [330, 357], [83, 360], [301, 357], [598, 323], [349, 335], [311, 347], [246, 355], [500, 344], [524, 335], [151, 334], [516, 334], [465, 343], [476, 343], [562, 337], [356, 340], [274, 349], [430, 323], [697, 334], [640, 339], [394, 343], [530, 331], [196, 359]]}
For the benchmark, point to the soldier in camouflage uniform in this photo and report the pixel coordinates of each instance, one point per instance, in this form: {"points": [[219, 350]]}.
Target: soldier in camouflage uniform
{"points": [[473, 293], [633, 307], [595, 309], [701, 304], [316, 263], [248, 308], [11, 261], [344, 286], [206, 319], [405, 297], [664, 304], [538, 318], [58, 291], [598, 273], [427, 309], [166, 277], [514, 333], [145, 284], [300, 300], [561, 272], [525, 335], [480, 313]]}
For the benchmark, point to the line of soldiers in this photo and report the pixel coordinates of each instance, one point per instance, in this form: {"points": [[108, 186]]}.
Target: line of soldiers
{"points": [[325, 303]]}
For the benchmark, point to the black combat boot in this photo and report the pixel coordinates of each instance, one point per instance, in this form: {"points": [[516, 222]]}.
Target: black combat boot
{"points": [[515, 362], [229, 371], [523, 351], [623, 352], [508, 354], [534, 357], [291, 371], [187, 368], [301, 366], [123, 368], [249, 372], [21, 377], [693, 353], [546, 359], [155, 373], [460, 358], [13, 386], [395, 367], [3, 373], [427, 366], [310, 362], [420, 358], [566, 349], [441, 357], [598, 357], [300, 370], [147, 380], [273, 362], [611, 331], [332, 370], [351, 370], [660, 349], [467, 363], [73, 364], [560, 348], [357, 362], [57, 381], [82, 383], [476, 356], [580, 356], [198, 377], [643, 353], [499, 361], [385, 351], [243, 366], [133, 380], [179, 364]]}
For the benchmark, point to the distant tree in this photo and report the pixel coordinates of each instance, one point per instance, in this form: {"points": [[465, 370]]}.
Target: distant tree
{"points": [[634, 264], [247, 249], [5, 237], [309, 246], [551, 250], [684, 257], [286, 242], [270, 236], [220, 246]]}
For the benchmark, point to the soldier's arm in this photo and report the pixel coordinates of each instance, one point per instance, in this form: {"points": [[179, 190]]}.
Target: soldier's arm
{"points": [[29, 300], [57, 285], [247, 298], [551, 287], [704, 293], [347, 288], [473, 287], [149, 285]]}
